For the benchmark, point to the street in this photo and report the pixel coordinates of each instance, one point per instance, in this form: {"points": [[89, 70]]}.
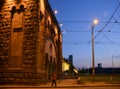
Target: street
{"points": [[116, 87], [65, 84]]}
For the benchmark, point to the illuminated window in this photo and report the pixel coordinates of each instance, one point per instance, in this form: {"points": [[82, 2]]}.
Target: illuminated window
{"points": [[42, 6]]}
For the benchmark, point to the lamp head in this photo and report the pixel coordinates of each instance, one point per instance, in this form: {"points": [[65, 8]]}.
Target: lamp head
{"points": [[95, 21], [55, 11]]}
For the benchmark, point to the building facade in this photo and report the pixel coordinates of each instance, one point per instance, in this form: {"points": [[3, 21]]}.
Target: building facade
{"points": [[68, 69], [30, 42]]}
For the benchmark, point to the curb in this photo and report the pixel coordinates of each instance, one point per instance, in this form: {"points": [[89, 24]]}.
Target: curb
{"points": [[74, 86]]}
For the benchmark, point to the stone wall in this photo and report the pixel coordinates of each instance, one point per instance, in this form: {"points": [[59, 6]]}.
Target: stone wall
{"points": [[5, 30], [24, 31]]}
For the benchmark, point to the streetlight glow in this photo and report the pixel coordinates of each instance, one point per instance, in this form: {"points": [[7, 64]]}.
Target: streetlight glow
{"points": [[95, 21], [55, 11], [60, 24]]}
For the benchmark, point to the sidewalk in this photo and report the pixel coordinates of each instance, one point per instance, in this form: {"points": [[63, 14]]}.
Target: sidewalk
{"points": [[73, 83], [66, 83]]}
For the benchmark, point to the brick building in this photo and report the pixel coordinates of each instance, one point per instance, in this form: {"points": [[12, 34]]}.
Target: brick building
{"points": [[30, 42]]}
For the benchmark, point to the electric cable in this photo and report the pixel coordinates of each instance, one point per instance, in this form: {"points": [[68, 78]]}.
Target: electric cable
{"points": [[106, 24]]}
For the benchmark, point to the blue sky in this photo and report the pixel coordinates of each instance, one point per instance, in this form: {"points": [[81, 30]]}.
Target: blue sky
{"points": [[76, 17]]}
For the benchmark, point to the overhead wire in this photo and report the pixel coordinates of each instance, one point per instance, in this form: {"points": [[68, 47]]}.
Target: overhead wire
{"points": [[80, 21], [108, 38], [100, 43], [116, 21], [106, 24], [99, 31], [105, 34], [71, 31]]}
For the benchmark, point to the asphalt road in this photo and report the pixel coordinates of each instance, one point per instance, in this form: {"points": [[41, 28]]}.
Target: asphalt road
{"points": [[116, 87]]}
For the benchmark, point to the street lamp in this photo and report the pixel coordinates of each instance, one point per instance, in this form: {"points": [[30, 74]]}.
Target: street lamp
{"points": [[93, 63], [55, 11]]}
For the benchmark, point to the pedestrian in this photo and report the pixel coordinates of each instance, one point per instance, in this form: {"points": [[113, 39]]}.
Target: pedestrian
{"points": [[54, 80]]}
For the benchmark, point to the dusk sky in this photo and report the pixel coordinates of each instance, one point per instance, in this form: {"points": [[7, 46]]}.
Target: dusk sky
{"points": [[76, 17]]}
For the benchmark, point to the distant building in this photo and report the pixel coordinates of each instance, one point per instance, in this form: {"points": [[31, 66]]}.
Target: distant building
{"points": [[30, 42], [101, 70], [99, 65], [71, 58]]}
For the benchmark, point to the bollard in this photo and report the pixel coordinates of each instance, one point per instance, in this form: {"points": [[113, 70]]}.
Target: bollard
{"points": [[111, 79], [79, 80]]}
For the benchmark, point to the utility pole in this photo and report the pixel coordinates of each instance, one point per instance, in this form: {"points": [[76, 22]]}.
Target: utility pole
{"points": [[93, 60]]}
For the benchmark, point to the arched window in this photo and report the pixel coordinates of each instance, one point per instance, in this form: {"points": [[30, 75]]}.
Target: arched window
{"points": [[17, 35]]}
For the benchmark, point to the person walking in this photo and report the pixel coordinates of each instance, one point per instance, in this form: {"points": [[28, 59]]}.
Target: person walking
{"points": [[54, 80]]}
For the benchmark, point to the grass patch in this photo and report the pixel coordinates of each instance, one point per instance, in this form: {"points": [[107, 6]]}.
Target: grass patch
{"points": [[101, 78]]}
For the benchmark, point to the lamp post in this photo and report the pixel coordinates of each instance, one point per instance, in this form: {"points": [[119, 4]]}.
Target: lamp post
{"points": [[93, 62], [111, 77]]}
